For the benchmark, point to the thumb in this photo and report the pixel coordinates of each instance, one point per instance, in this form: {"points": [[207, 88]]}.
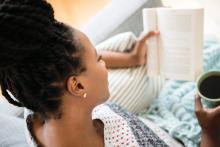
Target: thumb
{"points": [[217, 110], [145, 36]]}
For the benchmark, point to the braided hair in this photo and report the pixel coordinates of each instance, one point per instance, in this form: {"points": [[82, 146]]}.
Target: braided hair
{"points": [[36, 55]]}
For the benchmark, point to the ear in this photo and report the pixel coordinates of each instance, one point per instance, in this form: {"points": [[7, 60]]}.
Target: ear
{"points": [[75, 87]]}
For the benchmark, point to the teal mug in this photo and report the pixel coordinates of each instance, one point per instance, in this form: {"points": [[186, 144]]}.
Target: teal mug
{"points": [[208, 87]]}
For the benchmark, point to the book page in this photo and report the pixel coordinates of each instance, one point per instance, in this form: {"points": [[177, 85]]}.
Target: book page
{"points": [[150, 24], [180, 42]]}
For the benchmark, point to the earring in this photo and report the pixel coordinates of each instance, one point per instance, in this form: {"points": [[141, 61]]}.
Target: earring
{"points": [[84, 95]]}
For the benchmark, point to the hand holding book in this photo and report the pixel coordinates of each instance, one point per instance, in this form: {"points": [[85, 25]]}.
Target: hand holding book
{"points": [[139, 51], [134, 56]]}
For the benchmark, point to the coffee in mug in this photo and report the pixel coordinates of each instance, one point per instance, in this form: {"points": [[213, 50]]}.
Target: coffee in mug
{"points": [[208, 87]]}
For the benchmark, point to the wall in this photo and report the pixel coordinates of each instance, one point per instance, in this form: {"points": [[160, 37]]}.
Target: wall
{"points": [[76, 12]]}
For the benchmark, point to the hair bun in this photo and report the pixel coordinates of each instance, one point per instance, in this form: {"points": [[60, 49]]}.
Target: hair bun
{"points": [[24, 26], [40, 7]]}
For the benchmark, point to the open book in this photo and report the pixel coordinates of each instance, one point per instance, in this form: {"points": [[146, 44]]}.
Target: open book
{"points": [[177, 52]]}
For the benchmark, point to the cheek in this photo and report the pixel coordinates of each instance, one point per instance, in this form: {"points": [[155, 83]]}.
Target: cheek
{"points": [[101, 83], [98, 80], [102, 77]]}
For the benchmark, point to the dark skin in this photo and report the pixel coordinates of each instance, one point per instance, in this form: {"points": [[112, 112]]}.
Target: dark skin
{"points": [[76, 127], [209, 120]]}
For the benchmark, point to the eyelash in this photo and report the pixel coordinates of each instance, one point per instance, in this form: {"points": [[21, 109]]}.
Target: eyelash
{"points": [[99, 58]]}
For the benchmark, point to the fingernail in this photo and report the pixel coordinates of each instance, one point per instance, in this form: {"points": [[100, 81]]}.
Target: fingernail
{"points": [[157, 32]]}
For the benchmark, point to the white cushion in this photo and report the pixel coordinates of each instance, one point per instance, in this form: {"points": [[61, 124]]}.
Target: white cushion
{"points": [[9, 109], [12, 132]]}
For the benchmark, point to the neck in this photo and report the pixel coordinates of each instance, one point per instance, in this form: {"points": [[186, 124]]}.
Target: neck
{"points": [[74, 127]]}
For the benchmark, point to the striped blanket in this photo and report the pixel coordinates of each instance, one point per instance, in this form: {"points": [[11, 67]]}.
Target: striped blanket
{"points": [[173, 110]]}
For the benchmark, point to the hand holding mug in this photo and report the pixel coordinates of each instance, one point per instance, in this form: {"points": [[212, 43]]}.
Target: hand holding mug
{"points": [[209, 118]]}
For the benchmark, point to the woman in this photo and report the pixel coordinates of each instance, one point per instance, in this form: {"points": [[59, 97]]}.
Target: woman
{"points": [[55, 71]]}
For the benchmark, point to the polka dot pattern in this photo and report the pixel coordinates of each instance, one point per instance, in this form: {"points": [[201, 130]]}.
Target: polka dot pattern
{"points": [[117, 133]]}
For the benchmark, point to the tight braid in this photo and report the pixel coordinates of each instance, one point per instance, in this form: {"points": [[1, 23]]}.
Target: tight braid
{"points": [[37, 55], [4, 88]]}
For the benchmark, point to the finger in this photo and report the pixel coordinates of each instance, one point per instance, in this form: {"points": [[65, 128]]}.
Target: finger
{"points": [[217, 110], [198, 103], [150, 34]]}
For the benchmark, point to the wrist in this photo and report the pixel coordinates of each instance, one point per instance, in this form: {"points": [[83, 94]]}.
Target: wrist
{"points": [[135, 59], [211, 134]]}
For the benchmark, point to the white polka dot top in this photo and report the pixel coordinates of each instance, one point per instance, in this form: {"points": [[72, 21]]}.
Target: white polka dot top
{"points": [[117, 132]]}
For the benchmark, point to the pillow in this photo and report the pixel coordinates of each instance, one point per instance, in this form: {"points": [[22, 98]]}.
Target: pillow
{"points": [[9, 109], [131, 88], [12, 133]]}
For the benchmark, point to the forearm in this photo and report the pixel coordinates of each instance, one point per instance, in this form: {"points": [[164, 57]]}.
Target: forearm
{"points": [[136, 56], [119, 59], [209, 140]]}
